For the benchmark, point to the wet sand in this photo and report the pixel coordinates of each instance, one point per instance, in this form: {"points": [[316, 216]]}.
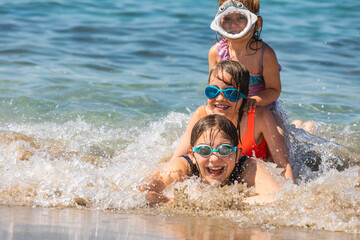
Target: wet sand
{"points": [[68, 223]]}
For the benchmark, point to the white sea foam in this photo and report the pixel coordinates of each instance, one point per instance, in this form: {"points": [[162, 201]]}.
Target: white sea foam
{"points": [[78, 165]]}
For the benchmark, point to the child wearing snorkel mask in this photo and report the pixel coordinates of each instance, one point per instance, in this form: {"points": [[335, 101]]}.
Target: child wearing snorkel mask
{"points": [[227, 94], [239, 24], [216, 159]]}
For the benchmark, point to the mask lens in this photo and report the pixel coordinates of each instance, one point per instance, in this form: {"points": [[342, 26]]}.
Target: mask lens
{"points": [[211, 92], [234, 23]]}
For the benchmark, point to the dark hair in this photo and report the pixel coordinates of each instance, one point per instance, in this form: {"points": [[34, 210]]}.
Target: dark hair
{"points": [[239, 79], [217, 124]]}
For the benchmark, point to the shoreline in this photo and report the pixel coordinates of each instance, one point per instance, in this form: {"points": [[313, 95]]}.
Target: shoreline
{"points": [[70, 223]]}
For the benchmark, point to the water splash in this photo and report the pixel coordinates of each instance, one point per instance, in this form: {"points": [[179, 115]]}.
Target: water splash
{"points": [[76, 164]]}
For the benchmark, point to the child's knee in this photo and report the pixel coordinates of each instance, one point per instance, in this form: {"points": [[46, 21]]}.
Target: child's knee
{"points": [[297, 123], [309, 126]]}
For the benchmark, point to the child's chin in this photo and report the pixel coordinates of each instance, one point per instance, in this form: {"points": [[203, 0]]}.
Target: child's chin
{"points": [[214, 182]]}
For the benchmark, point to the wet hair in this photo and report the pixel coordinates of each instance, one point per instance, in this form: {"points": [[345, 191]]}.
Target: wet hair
{"points": [[216, 124], [254, 7], [239, 79]]}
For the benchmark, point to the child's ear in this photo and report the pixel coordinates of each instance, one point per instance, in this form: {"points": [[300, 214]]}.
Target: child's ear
{"points": [[259, 23], [191, 155], [238, 154]]}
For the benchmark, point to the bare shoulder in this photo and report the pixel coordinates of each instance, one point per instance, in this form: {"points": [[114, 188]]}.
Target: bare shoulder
{"points": [[198, 113], [269, 51], [264, 121], [213, 50], [258, 173], [262, 112], [180, 166], [269, 54], [213, 56], [249, 171]]}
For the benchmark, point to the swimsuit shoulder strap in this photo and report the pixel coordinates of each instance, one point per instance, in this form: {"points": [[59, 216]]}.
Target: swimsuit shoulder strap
{"points": [[223, 50], [262, 56], [249, 132], [237, 169], [194, 169]]}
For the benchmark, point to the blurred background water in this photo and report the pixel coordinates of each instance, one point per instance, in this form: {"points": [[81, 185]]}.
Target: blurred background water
{"points": [[120, 79]]}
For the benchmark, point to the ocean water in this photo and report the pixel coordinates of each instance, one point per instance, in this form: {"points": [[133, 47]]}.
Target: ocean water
{"points": [[96, 94]]}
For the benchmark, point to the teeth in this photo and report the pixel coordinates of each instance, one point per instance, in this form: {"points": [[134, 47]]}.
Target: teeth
{"points": [[215, 168], [221, 106]]}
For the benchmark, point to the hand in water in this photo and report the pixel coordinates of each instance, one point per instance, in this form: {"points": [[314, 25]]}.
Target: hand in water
{"points": [[155, 198]]}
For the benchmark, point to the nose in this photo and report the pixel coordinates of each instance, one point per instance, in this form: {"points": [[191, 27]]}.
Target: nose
{"points": [[233, 23], [221, 96], [214, 157]]}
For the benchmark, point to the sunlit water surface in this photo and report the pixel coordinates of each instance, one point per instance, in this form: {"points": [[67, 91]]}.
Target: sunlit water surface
{"points": [[104, 90]]}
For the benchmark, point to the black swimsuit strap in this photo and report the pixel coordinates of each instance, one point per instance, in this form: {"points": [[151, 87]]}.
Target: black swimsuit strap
{"points": [[235, 174], [193, 167]]}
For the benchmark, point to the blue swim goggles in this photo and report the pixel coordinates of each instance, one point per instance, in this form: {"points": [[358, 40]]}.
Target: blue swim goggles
{"points": [[232, 94], [223, 150]]}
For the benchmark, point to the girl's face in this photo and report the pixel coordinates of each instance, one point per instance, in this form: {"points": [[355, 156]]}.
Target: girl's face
{"points": [[234, 23], [221, 105], [215, 169]]}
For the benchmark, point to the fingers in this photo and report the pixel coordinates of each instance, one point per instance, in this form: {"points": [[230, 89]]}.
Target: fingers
{"points": [[250, 104], [155, 198]]}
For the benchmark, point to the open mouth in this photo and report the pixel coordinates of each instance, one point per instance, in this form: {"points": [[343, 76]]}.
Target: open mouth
{"points": [[221, 107], [215, 171]]}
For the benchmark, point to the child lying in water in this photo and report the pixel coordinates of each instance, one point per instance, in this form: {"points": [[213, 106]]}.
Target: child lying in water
{"points": [[216, 159]]}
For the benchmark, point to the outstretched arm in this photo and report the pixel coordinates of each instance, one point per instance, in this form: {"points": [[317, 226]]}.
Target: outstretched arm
{"points": [[265, 124], [172, 172]]}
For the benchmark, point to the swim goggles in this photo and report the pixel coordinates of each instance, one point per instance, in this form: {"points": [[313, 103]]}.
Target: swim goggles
{"points": [[223, 150], [230, 7], [232, 94]]}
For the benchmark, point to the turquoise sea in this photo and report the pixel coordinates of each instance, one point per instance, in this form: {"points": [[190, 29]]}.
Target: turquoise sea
{"points": [[119, 80]]}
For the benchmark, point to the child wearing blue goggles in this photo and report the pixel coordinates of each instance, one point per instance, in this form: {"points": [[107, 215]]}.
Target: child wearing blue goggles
{"points": [[231, 94], [223, 150], [226, 167], [226, 93]]}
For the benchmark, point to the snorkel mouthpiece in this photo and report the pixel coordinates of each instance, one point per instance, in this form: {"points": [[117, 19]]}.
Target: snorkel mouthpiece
{"points": [[230, 7]]}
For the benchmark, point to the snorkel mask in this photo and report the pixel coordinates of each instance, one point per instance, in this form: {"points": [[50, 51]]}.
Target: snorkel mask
{"points": [[231, 7]]}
